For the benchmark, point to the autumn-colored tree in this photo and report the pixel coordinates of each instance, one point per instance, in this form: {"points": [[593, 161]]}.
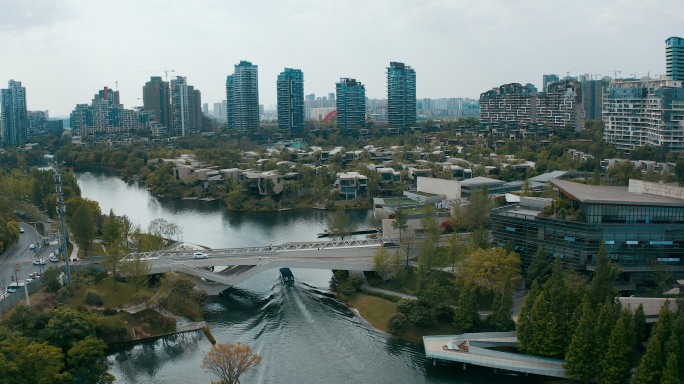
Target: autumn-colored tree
{"points": [[382, 260], [489, 269], [230, 361]]}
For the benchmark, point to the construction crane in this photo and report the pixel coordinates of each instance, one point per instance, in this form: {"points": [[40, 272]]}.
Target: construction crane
{"points": [[166, 72], [615, 71]]}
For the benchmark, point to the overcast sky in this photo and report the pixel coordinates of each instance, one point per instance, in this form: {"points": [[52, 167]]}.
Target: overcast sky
{"points": [[64, 51]]}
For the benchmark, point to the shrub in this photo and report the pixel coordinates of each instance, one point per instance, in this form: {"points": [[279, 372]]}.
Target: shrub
{"points": [[109, 312], [64, 294], [113, 331], [355, 282], [347, 290], [94, 298], [396, 322], [142, 296]]}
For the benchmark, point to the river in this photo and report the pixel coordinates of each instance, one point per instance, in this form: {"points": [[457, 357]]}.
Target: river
{"points": [[303, 333]]}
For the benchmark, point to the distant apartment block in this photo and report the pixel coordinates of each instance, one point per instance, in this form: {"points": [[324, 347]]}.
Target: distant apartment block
{"points": [[401, 95], [290, 92], [40, 124], [157, 99], [548, 79], [640, 112], [242, 96], [14, 121], [560, 106], [194, 109], [674, 58], [592, 95], [462, 107], [351, 103], [105, 118]]}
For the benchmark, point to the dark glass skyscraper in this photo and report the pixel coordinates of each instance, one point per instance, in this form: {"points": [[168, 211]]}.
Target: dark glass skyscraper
{"points": [[291, 101], [242, 94], [674, 58], [351, 103], [156, 98], [401, 95], [14, 114]]}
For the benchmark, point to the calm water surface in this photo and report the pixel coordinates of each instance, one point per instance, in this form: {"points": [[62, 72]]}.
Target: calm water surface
{"points": [[304, 334]]}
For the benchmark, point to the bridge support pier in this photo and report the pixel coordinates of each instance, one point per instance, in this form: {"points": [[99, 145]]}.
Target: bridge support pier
{"points": [[213, 289]]}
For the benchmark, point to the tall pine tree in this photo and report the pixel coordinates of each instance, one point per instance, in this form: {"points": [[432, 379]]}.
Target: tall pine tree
{"points": [[501, 319], [640, 324], [603, 282], [539, 268], [671, 371], [525, 330], [581, 358], [651, 366], [616, 364]]}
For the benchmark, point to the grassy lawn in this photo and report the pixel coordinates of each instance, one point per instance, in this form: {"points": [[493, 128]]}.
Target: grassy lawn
{"points": [[106, 289], [375, 309], [95, 249]]}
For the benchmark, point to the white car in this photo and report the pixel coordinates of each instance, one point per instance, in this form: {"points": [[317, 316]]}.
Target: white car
{"points": [[32, 246], [39, 262], [199, 255], [53, 258], [21, 230]]}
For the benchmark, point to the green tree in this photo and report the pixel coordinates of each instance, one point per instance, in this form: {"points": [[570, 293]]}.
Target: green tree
{"points": [[135, 270], [608, 316], [111, 230], [488, 270], [581, 358], [478, 208], [114, 260], [382, 262], [68, 326], [479, 238], [89, 362], [651, 366], [236, 199], [501, 319], [671, 371], [623, 171], [401, 223], [340, 225], [617, 361], [466, 316], [82, 224], [525, 332], [31, 363], [539, 268], [603, 282], [429, 248], [640, 324]]}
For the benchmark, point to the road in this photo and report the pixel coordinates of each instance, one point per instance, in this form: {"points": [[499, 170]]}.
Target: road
{"points": [[21, 257]]}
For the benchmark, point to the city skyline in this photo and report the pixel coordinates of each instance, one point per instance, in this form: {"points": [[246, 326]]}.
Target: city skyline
{"points": [[456, 47]]}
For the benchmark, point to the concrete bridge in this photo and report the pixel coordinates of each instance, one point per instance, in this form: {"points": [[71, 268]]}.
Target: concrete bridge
{"points": [[244, 263]]}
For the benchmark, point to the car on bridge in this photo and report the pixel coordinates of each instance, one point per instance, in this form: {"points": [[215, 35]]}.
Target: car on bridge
{"points": [[39, 262], [53, 258], [199, 255]]}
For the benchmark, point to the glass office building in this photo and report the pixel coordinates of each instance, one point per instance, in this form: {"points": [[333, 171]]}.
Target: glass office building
{"points": [[242, 96], [642, 231]]}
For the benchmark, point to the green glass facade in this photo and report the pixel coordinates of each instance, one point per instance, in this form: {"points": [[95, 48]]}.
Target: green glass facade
{"points": [[641, 239]]}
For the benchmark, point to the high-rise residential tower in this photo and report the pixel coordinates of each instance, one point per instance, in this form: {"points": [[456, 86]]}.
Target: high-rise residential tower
{"points": [[14, 115], [548, 79], [156, 99], [351, 103], [674, 58], [401, 95], [242, 94], [180, 113], [194, 109], [290, 87]]}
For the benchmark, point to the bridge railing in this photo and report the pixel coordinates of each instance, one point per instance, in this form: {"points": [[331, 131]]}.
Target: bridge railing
{"points": [[226, 252]]}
